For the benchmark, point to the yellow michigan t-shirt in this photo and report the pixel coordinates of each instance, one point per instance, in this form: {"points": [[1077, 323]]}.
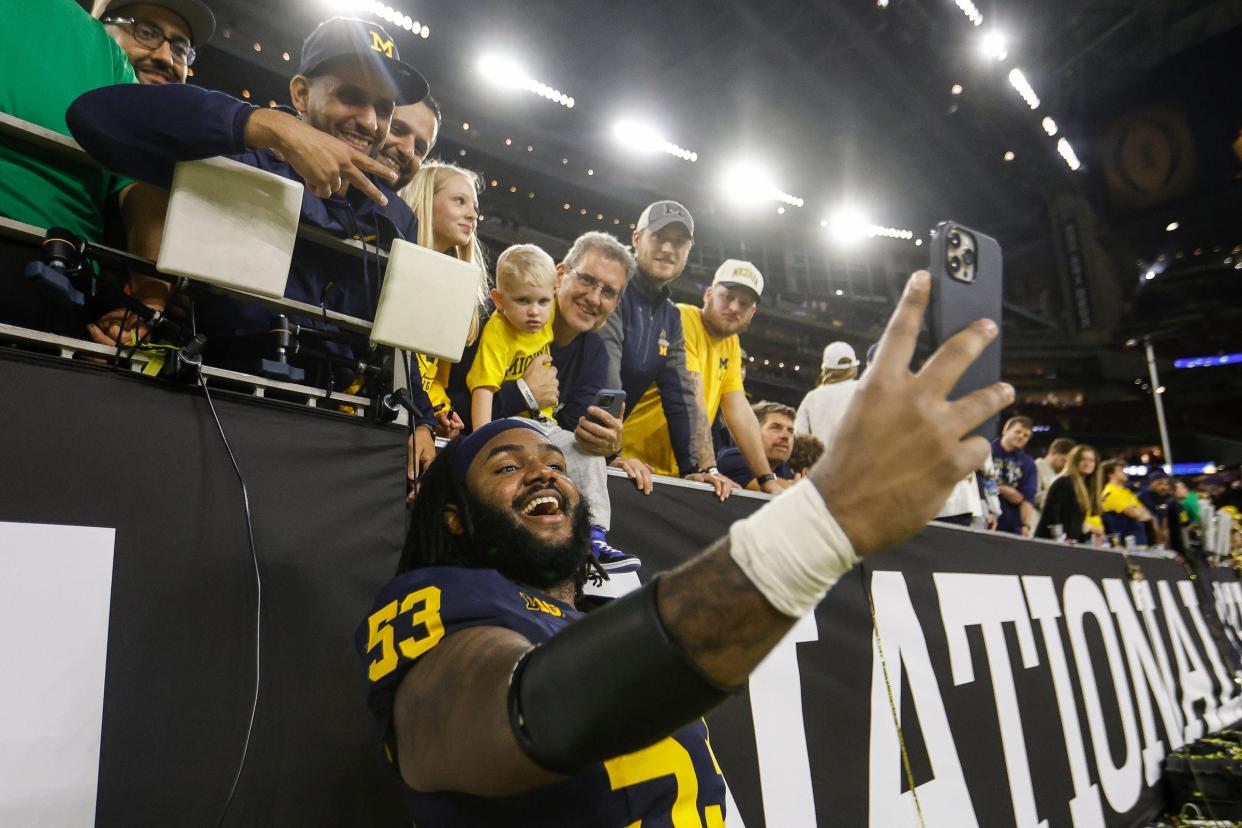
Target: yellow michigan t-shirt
{"points": [[505, 353], [718, 364]]}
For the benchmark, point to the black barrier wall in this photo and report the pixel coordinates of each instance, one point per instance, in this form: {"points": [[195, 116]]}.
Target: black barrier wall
{"points": [[1032, 682]]}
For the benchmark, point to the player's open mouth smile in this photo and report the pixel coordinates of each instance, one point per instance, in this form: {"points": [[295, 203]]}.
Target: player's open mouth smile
{"points": [[544, 506]]}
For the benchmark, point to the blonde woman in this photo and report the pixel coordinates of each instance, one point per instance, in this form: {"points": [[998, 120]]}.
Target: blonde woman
{"points": [[1073, 499], [446, 200]]}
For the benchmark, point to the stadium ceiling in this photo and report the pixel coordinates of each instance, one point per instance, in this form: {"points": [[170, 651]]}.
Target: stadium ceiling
{"points": [[839, 100]]}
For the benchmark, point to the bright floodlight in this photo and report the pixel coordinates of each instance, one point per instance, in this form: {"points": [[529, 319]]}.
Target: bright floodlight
{"points": [[747, 185], [848, 226], [971, 11], [381, 10], [1020, 83], [1067, 152], [508, 74], [635, 135], [1049, 125], [502, 71], [995, 45]]}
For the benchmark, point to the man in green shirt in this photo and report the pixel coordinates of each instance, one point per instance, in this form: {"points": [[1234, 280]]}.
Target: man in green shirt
{"points": [[38, 187]]}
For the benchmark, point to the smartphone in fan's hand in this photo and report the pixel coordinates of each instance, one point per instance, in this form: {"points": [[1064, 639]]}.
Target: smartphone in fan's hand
{"points": [[611, 400], [966, 279]]}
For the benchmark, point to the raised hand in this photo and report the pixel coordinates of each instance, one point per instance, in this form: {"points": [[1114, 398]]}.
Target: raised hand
{"points": [[327, 164], [900, 448]]}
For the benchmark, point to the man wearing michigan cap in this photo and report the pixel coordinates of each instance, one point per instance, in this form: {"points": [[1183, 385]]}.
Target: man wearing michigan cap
{"points": [[714, 363], [349, 79], [646, 348]]}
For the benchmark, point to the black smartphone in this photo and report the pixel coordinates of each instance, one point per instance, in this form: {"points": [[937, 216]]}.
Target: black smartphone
{"points": [[611, 400], [966, 280]]}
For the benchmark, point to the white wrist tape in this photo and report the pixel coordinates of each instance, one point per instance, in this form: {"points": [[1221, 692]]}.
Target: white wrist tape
{"points": [[792, 549]]}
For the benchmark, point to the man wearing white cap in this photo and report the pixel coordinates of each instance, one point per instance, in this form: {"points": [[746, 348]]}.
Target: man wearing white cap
{"points": [[714, 361], [823, 406]]}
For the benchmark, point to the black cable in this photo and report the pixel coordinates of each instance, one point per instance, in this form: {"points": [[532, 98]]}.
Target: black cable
{"points": [[258, 607]]}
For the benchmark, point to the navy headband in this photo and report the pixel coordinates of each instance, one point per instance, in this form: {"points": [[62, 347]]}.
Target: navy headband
{"points": [[470, 446]]}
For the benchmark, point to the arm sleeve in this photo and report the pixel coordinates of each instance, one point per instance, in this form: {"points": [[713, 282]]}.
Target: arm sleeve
{"points": [[613, 336], [733, 466], [1029, 482], [590, 379], [1053, 511], [142, 131], [420, 399], [682, 409]]}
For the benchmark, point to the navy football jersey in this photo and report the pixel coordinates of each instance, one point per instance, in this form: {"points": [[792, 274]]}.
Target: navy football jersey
{"points": [[675, 783]]}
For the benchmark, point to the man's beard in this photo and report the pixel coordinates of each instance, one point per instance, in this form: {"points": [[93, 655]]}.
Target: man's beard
{"points": [[502, 543]]}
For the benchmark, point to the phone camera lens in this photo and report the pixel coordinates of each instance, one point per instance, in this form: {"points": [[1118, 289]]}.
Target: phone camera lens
{"points": [[968, 257], [955, 239], [955, 264]]}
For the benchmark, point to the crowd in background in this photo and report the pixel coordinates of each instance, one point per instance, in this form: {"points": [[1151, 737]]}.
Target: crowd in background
{"points": [[548, 337]]}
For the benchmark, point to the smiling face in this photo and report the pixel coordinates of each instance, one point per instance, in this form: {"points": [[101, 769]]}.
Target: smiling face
{"points": [[455, 213], [529, 522], [728, 310], [1015, 437], [347, 100], [662, 254], [411, 136], [156, 66], [588, 293]]}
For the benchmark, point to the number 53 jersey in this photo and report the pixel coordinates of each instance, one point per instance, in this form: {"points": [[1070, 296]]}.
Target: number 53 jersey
{"points": [[675, 783]]}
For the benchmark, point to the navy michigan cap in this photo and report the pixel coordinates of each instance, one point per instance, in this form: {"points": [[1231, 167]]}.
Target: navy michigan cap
{"points": [[350, 37]]}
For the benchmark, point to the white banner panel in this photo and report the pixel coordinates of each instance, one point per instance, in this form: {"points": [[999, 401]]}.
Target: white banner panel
{"points": [[55, 588]]}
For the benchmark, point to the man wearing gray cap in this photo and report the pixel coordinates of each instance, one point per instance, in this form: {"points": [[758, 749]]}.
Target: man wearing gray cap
{"points": [[822, 408], [646, 346], [159, 37], [714, 361]]}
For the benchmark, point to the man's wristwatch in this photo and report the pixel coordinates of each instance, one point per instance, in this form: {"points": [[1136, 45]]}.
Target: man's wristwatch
{"points": [[764, 479], [712, 470]]}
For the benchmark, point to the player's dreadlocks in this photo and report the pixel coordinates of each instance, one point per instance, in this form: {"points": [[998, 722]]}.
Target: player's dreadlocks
{"points": [[428, 541]]}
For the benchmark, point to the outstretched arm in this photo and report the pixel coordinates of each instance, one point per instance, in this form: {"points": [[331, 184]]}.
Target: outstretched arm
{"points": [[143, 131], [723, 623]]}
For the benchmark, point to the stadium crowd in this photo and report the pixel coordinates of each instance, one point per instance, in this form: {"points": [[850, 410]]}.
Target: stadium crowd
{"points": [[550, 338]]}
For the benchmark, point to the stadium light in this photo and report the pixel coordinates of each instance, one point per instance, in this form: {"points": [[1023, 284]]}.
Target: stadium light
{"points": [[971, 11], [1049, 125], [642, 137], [994, 45], [507, 73], [1019, 82], [383, 11], [889, 232], [848, 227], [1067, 152], [746, 184]]}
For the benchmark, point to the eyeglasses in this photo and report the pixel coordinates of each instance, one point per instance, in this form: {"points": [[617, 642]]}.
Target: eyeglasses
{"points": [[606, 292], [153, 37]]}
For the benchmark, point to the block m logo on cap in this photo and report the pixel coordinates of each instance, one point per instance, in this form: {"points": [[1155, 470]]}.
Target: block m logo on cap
{"points": [[378, 44]]}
